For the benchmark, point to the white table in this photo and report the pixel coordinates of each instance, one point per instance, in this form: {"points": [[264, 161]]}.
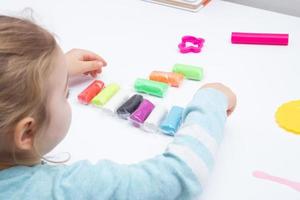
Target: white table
{"points": [[137, 37]]}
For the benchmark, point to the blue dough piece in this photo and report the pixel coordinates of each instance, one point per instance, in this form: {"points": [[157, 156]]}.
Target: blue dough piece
{"points": [[171, 123]]}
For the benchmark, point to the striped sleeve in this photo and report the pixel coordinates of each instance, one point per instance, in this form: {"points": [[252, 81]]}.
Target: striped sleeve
{"points": [[179, 173], [197, 141]]}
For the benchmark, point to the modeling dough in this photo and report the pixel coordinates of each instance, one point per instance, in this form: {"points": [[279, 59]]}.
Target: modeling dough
{"points": [[105, 95], [171, 78], [90, 92], [172, 122], [288, 116], [142, 112], [127, 108], [189, 72], [151, 87]]}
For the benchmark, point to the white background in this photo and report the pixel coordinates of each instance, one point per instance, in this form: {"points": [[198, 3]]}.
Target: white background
{"points": [[137, 37], [291, 7]]}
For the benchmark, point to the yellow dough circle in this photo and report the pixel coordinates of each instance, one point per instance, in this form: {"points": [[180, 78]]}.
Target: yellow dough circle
{"points": [[288, 116]]}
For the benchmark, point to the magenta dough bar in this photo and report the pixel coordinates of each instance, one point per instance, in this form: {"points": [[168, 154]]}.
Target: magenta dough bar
{"points": [[142, 112], [259, 38]]}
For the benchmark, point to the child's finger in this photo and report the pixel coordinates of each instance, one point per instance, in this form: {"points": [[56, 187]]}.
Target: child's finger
{"points": [[91, 66], [89, 56], [93, 74], [96, 71], [230, 111]]}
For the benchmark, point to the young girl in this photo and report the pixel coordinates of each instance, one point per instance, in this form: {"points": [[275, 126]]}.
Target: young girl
{"points": [[35, 117]]}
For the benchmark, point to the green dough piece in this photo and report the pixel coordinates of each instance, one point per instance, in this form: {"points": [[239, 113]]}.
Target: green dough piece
{"points": [[151, 87], [106, 94], [189, 71]]}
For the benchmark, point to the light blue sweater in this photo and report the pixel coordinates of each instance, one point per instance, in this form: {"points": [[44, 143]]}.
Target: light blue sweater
{"points": [[179, 173]]}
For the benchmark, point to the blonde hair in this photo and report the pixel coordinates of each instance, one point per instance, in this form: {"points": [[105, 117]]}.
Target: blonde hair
{"points": [[26, 55]]}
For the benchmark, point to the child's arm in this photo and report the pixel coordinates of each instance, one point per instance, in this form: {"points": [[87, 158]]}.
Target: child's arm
{"points": [[179, 173]]}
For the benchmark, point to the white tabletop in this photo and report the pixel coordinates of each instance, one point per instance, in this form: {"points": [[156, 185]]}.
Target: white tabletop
{"points": [[137, 37]]}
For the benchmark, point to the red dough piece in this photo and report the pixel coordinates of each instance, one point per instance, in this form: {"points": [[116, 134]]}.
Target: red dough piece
{"points": [[90, 92]]}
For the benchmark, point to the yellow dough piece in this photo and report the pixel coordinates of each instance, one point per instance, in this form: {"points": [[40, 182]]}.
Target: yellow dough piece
{"points": [[288, 116]]}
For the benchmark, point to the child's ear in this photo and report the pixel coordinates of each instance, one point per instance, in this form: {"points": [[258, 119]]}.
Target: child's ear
{"points": [[24, 133]]}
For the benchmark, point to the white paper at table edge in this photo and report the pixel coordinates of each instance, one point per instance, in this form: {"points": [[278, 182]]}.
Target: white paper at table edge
{"points": [[174, 6]]}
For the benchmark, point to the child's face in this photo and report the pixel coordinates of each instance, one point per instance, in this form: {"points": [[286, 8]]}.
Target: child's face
{"points": [[58, 107]]}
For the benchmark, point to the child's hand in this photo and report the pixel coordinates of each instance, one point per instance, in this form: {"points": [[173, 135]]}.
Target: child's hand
{"points": [[227, 92], [84, 62]]}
